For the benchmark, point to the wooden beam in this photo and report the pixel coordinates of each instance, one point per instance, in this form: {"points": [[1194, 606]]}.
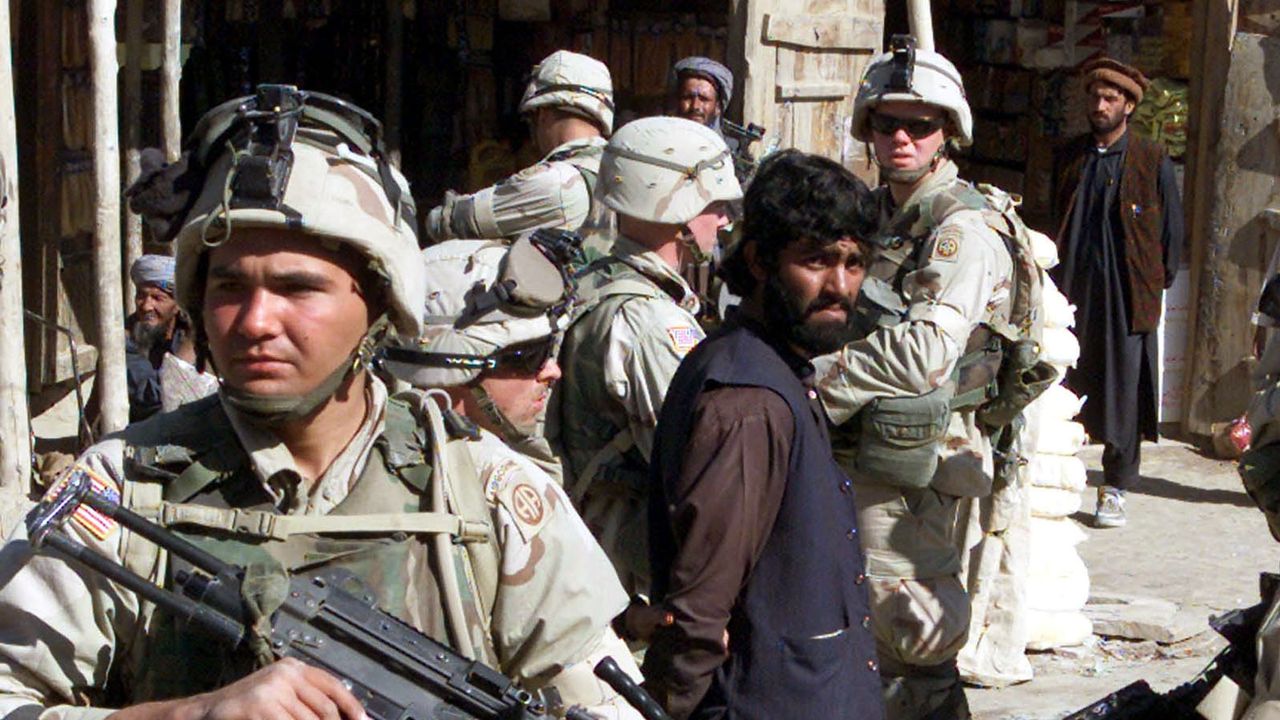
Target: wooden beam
{"points": [[132, 123], [15, 426], [394, 45], [1211, 33], [1238, 245], [113, 390], [170, 80]]}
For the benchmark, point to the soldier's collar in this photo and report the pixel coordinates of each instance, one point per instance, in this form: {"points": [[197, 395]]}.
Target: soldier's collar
{"points": [[647, 263], [576, 144]]}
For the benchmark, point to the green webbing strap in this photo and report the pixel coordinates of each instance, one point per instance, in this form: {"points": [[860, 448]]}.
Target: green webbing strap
{"points": [[260, 524]]}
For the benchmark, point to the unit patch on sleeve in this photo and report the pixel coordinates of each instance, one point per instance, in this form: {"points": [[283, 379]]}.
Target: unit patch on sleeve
{"points": [[946, 247], [683, 338]]}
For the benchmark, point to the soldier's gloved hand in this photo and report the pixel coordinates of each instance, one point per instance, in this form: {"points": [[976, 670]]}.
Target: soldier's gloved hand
{"points": [[438, 220], [287, 688]]}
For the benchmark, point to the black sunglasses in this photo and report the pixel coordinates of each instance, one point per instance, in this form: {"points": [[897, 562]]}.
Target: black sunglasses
{"points": [[917, 128], [523, 359]]}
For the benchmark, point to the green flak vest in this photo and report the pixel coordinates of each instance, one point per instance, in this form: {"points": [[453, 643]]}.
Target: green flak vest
{"points": [[890, 449], [188, 471], [589, 426]]}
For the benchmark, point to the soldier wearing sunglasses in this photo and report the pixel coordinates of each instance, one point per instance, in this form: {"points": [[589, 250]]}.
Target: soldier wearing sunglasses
{"points": [[492, 321], [944, 288]]}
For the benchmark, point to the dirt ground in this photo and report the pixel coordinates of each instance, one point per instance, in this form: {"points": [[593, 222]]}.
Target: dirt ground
{"points": [[1193, 538]]}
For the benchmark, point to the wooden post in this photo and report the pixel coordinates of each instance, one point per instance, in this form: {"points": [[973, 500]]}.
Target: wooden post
{"points": [[921, 23], [15, 428], [1212, 30], [132, 106], [395, 58], [113, 391], [170, 79]]}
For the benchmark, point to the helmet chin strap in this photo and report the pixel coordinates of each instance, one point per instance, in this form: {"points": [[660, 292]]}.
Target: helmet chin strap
{"points": [[270, 410], [507, 430], [901, 175]]}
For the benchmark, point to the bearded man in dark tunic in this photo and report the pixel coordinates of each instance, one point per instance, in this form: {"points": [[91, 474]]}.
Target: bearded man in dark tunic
{"points": [[1119, 244]]}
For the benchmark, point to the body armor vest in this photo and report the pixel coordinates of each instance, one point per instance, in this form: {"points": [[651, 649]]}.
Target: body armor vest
{"points": [[592, 431], [199, 483]]}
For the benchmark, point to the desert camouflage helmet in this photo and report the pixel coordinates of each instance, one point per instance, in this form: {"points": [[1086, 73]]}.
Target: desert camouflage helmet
{"points": [[666, 170], [909, 74], [484, 297], [572, 82], [332, 188]]}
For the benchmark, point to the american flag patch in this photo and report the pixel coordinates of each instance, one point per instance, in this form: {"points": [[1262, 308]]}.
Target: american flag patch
{"points": [[683, 338], [98, 525]]}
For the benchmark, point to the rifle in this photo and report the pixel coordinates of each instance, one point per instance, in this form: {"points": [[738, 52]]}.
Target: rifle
{"points": [[328, 620], [744, 163]]}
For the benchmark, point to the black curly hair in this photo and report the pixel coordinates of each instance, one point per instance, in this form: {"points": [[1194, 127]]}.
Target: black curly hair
{"points": [[798, 196]]}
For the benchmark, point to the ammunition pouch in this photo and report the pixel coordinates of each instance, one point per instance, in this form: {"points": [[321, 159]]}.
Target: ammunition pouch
{"points": [[1023, 377], [898, 438], [1260, 473]]}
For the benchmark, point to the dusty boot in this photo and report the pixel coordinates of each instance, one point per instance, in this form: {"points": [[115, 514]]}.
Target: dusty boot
{"points": [[1110, 512]]}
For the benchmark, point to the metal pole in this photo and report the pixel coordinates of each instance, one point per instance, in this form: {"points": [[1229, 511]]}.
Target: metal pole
{"points": [[15, 427], [170, 78], [921, 23], [106, 238], [132, 107]]}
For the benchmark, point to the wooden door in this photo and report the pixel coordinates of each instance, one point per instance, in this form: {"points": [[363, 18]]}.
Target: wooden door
{"points": [[800, 63]]}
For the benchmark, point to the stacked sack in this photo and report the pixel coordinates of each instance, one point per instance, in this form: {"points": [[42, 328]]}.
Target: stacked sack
{"points": [[1058, 583]]}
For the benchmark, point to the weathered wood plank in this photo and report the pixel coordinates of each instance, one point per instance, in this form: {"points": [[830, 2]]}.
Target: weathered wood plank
{"points": [[1237, 246], [824, 32], [15, 427]]}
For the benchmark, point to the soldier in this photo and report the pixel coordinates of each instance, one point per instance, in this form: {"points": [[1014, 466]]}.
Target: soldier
{"points": [[569, 104], [668, 179], [292, 259], [946, 283], [487, 351]]}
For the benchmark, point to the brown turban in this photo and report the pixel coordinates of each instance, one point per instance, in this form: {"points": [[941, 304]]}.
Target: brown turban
{"points": [[1113, 72]]}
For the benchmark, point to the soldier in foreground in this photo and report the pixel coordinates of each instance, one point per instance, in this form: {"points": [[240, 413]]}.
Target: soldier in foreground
{"points": [[755, 533], [668, 180], [294, 256], [569, 105], [944, 292]]}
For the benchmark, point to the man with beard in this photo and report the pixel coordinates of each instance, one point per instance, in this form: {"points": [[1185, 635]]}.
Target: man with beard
{"points": [[1119, 243], [669, 180], [701, 89], [157, 327], [755, 549]]}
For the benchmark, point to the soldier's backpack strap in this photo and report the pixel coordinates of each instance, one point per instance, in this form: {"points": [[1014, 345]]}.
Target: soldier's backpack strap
{"points": [[457, 487]]}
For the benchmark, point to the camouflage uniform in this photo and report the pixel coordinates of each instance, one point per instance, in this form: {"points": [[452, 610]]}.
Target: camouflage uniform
{"points": [[946, 278], [634, 324], [523, 588], [558, 191], [555, 193], [92, 634]]}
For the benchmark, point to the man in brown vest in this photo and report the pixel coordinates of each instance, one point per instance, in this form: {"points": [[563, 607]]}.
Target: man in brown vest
{"points": [[1119, 243]]}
